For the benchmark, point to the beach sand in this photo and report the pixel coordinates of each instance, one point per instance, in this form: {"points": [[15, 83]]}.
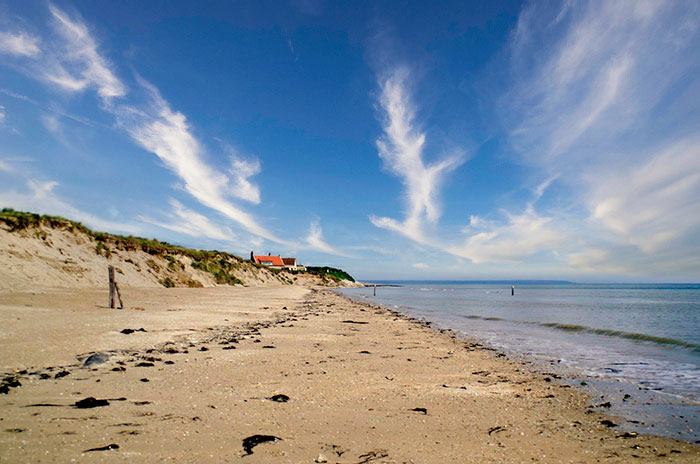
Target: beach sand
{"points": [[316, 377]]}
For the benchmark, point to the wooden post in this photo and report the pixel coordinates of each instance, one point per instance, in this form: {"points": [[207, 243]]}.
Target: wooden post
{"points": [[110, 269], [512, 290], [375, 289], [119, 296]]}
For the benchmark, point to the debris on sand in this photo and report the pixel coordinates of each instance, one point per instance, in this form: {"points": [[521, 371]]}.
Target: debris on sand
{"points": [[111, 446], [90, 402], [254, 440]]}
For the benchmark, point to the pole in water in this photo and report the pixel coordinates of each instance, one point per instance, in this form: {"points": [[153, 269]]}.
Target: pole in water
{"points": [[375, 289], [512, 289]]}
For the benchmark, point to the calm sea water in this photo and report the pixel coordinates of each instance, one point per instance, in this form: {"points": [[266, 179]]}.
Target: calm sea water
{"points": [[641, 339]]}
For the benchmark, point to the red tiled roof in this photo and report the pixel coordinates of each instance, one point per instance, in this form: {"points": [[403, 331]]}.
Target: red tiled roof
{"points": [[289, 261], [269, 260]]}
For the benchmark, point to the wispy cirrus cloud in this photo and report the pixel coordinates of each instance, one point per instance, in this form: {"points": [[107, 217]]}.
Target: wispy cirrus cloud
{"points": [[241, 171], [75, 64], [19, 44], [401, 148], [79, 64], [316, 241], [657, 203], [40, 195], [520, 236], [607, 97], [167, 134], [186, 221]]}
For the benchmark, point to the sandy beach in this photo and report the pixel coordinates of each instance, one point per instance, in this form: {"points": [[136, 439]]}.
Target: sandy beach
{"points": [[278, 374]]}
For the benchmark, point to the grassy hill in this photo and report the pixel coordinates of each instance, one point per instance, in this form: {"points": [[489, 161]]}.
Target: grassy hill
{"points": [[46, 248]]}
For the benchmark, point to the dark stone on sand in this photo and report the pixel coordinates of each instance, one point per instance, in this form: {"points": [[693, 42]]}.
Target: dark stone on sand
{"points": [[111, 446], [254, 440], [144, 380], [61, 374], [171, 350], [145, 364], [354, 322], [605, 405], [279, 398], [229, 347], [130, 331], [608, 423], [90, 402], [4, 389], [268, 346], [256, 341], [118, 369], [44, 376], [496, 429], [204, 348], [628, 435], [15, 430], [423, 410], [365, 352], [141, 403], [95, 359], [169, 362]]}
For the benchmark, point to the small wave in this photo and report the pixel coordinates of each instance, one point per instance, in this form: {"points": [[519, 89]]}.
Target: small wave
{"points": [[606, 332], [622, 334]]}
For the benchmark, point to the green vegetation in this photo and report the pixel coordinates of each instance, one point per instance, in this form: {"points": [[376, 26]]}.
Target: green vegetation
{"points": [[103, 250], [330, 272], [167, 282], [219, 264]]}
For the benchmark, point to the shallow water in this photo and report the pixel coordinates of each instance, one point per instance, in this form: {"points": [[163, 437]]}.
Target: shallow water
{"points": [[621, 338]]}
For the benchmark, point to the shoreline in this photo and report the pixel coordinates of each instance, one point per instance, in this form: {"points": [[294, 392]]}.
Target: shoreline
{"points": [[362, 382], [649, 405]]}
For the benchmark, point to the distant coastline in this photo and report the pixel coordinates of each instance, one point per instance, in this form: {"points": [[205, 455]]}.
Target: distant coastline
{"points": [[398, 283]]}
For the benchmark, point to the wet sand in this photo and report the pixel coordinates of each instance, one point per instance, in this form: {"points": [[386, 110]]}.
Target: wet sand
{"points": [[278, 374]]}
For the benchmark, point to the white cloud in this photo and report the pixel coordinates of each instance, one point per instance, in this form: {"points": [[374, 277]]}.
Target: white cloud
{"points": [[401, 148], [74, 64], [189, 222], [20, 44], [166, 133], [315, 240], [658, 200], [5, 167], [595, 75], [2, 114], [420, 265], [522, 236], [597, 84], [241, 170], [40, 196], [79, 64]]}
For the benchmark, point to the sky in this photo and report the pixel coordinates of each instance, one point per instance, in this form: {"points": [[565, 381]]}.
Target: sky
{"points": [[396, 140]]}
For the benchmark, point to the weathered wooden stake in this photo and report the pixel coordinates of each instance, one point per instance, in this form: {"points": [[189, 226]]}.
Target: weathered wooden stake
{"points": [[119, 295], [512, 289], [110, 269], [375, 289]]}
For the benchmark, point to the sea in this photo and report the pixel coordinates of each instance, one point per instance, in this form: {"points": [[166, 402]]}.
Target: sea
{"points": [[634, 348]]}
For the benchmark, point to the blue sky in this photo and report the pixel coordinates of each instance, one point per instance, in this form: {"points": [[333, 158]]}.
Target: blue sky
{"points": [[397, 140]]}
